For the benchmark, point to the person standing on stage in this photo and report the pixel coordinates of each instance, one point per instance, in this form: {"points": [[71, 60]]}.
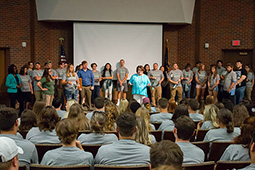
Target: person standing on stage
{"points": [[201, 78], [97, 77], [193, 83], [146, 71], [54, 74], [156, 76], [30, 66], [250, 81], [36, 77], [60, 72], [229, 86], [107, 76], [175, 77], [87, 83], [221, 71], [139, 81], [186, 82], [241, 74], [122, 75], [213, 82]]}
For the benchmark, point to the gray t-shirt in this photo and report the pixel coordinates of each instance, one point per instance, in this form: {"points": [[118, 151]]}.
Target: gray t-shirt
{"points": [[54, 72], [166, 125], [89, 115], [107, 73], [36, 136], [175, 75], [38, 73], [221, 72], [207, 125], [30, 153], [187, 74], [97, 138], [122, 73], [224, 73], [97, 76], [250, 167], [213, 80], [123, 152], [160, 117], [196, 116], [158, 74], [221, 134], [64, 156], [30, 73], [229, 79], [60, 72], [62, 113], [201, 76], [72, 79], [25, 80], [236, 152], [189, 150], [250, 77], [195, 69]]}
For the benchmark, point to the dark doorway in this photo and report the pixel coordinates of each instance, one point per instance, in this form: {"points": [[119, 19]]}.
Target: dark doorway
{"points": [[231, 56], [4, 53]]}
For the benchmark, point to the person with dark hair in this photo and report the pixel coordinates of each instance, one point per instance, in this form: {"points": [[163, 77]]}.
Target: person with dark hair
{"points": [[193, 108], [239, 151], [249, 81], [56, 103], [26, 89], [125, 151], [107, 76], [30, 66], [183, 131], [166, 152], [241, 74], [213, 82], [97, 77], [186, 81], [99, 105], [228, 104], [229, 86], [201, 78], [36, 77], [54, 74], [222, 72], [45, 132], [240, 113], [165, 83], [61, 70], [156, 77], [122, 75], [226, 131], [181, 110], [27, 120], [88, 83], [193, 83], [71, 153], [46, 84], [9, 127], [98, 136], [163, 115], [134, 107], [13, 84], [139, 81], [146, 69]]}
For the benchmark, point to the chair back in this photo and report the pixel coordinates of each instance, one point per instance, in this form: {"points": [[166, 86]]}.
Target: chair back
{"points": [[225, 165], [201, 166], [156, 124], [201, 134], [205, 146], [43, 148], [127, 167], [217, 149], [49, 167], [157, 134], [22, 167], [91, 148]]}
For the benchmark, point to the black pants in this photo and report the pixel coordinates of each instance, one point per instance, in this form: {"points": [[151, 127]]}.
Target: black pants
{"points": [[13, 98], [25, 97]]}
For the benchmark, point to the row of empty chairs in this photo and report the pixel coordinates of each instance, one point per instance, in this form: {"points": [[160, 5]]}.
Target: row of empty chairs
{"points": [[220, 165]]}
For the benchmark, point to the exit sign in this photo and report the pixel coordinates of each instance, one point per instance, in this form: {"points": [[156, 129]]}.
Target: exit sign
{"points": [[235, 43]]}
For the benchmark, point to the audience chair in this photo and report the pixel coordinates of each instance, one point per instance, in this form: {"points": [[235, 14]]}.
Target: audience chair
{"points": [[157, 134], [151, 113], [49, 167], [169, 135], [156, 124], [23, 133], [22, 167], [201, 134], [217, 149], [196, 122], [88, 131], [127, 167], [91, 148], [43, 148], [202, 166], [225, 165], [205, 146]]}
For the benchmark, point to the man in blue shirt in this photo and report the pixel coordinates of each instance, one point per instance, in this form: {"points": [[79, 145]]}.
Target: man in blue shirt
{"points": [[88, 81]]}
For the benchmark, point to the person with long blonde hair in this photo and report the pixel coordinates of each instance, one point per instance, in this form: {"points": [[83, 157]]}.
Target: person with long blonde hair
{"points": [[143, 112], [142, 134], [123, 106], [71, 82], [213, 82], [210, 117]]}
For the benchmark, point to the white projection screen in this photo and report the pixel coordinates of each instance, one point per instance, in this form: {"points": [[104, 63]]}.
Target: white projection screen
{"points": [[109, 42]]}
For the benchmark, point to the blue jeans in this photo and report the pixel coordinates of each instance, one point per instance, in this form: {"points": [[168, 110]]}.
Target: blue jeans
{"points": [[240, 94], [95, 93], [186, 93], [71, 94]]}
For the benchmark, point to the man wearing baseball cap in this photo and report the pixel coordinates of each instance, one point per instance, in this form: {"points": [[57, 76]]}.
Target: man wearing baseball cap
{"points": [[9, 154]]}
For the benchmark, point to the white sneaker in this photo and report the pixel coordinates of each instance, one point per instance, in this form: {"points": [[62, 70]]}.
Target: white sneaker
{"points": [[118, 103]]}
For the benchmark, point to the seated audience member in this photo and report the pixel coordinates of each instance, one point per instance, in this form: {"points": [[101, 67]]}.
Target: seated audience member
{"points": [[57, 104], [45, 132], [181, 110], [9, 154], [210, 120], [168, 153], [171, 106], [129, 104], [239, 151], [240, 113], [163, 115], [252, 154], [142, 134], [76, 113], [143, 112], [100, 106], [193, 107], [147, 105], [226, 132], [184, 129], [209, 100], [134, 107], [111, 112], [8, 128], [69, 103], [228, 104], [97, 124], [126, 151], [71, 153], [166, 167], [38, 106], [219, 105], [27, 120], [123, 106]]}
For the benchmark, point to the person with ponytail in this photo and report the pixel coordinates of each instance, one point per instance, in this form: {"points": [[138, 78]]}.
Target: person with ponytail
{"points": [[98, 124], [226, 132]]}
